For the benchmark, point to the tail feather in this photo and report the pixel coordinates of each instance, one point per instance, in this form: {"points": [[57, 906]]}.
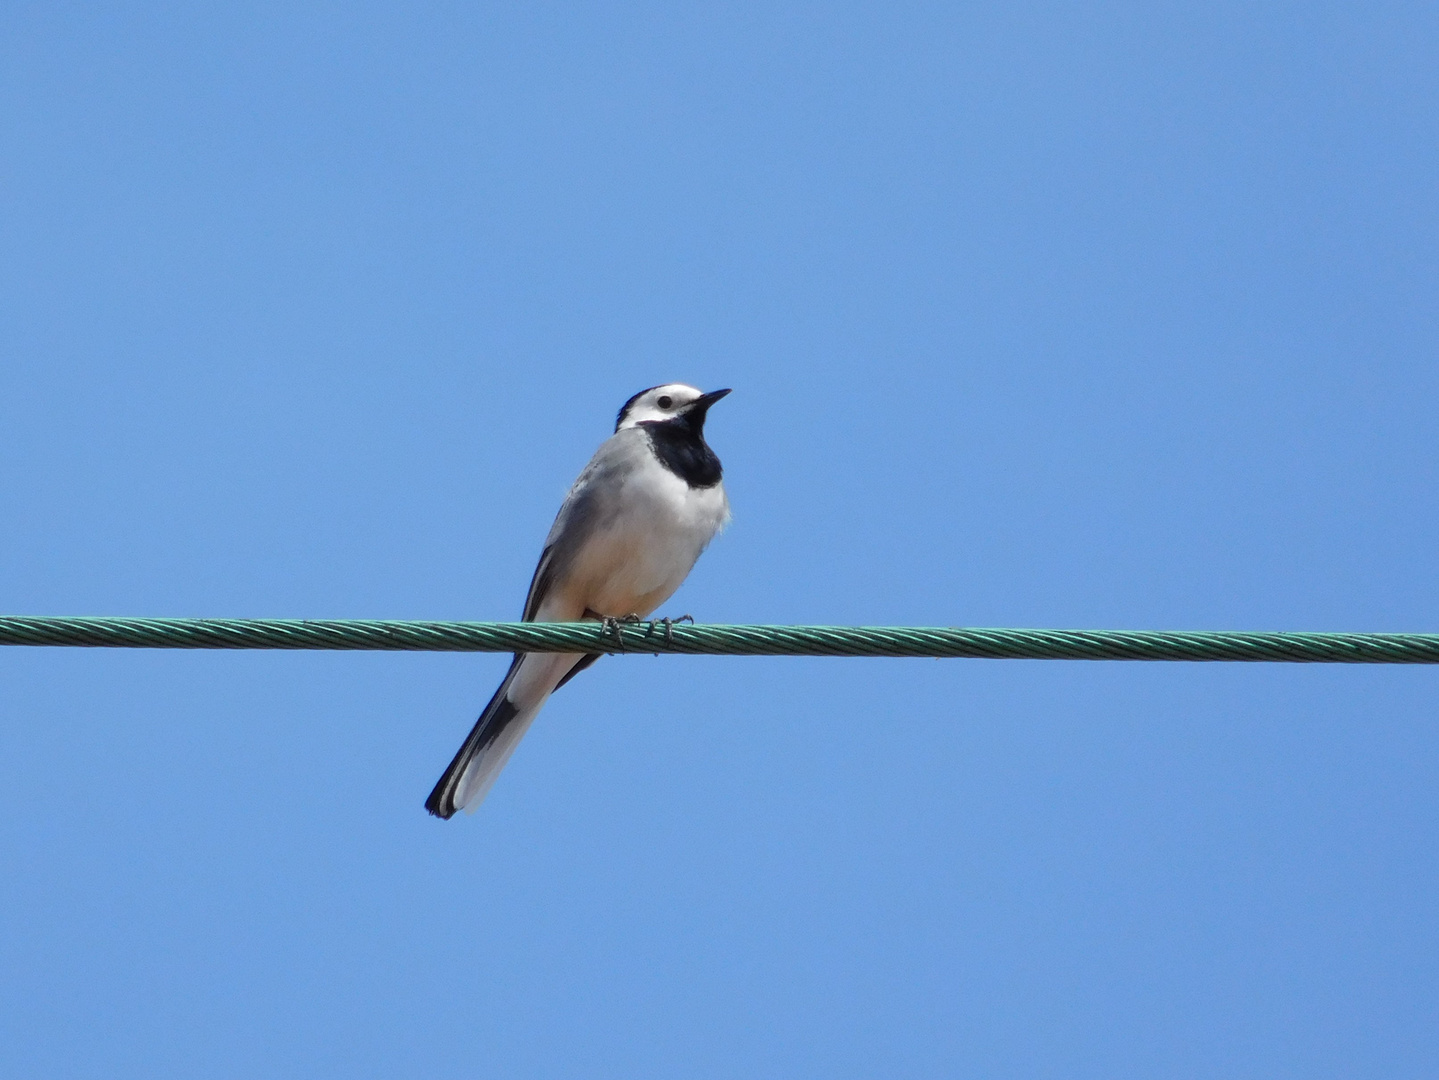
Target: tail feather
{"points": [[483, 753], [496, 733]]}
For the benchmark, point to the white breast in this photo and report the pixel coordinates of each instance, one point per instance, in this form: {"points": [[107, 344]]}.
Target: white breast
{"points": [[643, 554]]}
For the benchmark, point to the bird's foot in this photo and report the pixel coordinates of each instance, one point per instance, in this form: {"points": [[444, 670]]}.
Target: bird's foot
{"points": [[669, 625], [612, 626]]}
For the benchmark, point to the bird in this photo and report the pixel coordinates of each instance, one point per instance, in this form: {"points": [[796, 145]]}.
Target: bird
{"points": [[627, 535]]}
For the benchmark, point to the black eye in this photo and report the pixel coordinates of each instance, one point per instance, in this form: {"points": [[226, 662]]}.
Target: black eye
{"points": [[664, 401]]}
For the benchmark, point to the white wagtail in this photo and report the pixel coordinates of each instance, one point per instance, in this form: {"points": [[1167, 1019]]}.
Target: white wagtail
{"points": [[627, 535]]}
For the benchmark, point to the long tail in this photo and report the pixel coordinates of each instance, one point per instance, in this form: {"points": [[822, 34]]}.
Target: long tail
{"points": [[484, 752], [499, 729]]}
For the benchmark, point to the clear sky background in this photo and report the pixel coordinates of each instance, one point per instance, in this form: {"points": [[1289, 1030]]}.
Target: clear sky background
{"points": [[1037, 314]]}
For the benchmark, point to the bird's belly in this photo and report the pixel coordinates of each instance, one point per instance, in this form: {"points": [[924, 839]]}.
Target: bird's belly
{"points": [[638, 559]]}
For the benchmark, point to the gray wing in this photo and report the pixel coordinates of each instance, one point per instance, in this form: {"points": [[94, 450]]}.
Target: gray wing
{"points": [[592, 502]]}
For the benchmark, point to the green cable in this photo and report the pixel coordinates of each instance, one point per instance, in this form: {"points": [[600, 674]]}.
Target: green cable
{"points": [[657, 637]]}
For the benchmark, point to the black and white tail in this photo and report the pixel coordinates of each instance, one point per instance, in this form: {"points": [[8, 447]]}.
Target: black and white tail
{"points": [[484, 752]]}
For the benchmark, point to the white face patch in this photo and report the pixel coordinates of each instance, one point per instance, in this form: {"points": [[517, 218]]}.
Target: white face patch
{"points": [[661, 403]]}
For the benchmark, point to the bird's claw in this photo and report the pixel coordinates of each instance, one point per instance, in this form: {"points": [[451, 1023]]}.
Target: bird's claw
{"points": [[611, 625], [669, 625]]}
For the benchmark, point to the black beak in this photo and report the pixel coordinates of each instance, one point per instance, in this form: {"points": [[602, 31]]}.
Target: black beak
{"points": [[700, 405]]}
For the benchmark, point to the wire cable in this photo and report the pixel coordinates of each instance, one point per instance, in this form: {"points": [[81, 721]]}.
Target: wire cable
{"points": [[721, 640]]}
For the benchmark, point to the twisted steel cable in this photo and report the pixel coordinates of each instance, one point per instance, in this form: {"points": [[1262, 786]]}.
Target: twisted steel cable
{"points": [[658, 637]]}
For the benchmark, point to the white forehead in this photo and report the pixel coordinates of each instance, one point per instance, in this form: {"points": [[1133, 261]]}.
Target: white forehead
{"points": [[656, 403]]}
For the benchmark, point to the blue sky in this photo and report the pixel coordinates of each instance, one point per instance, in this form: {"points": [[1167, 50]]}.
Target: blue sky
{"points": [[1099, 315]]}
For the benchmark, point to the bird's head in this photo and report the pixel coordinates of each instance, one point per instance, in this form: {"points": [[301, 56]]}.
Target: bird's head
{"points": [[671, 402]]}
